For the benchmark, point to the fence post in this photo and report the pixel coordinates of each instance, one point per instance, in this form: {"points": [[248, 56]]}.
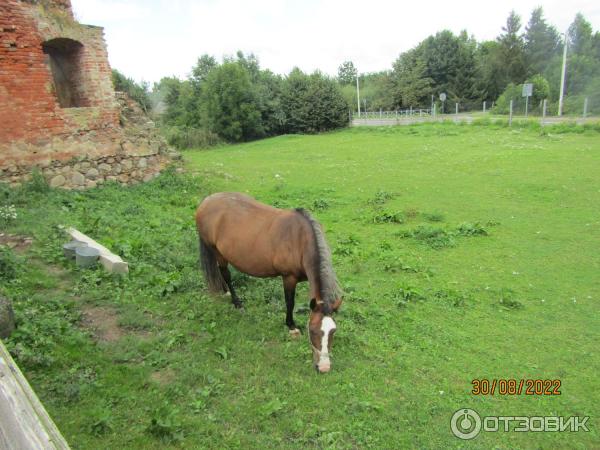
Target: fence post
{"points": [[411, 112], [420, 113], [434, 105], [510, 114], [585, 107], [545, 105], [484, 106], [456, 109], [380, 113]]}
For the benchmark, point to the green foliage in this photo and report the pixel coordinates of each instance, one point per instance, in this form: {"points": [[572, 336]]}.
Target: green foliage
{"points": [[189, 137], [9, 264], [237, 101], [542, 42], [231, 103], [312, 103], [541, 91], [412, 84], [347, 73], [434, 237], [138, 92], [165, 426], [389, 217], [37, 183]]}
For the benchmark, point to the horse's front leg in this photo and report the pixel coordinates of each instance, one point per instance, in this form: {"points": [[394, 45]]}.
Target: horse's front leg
{"points": [[289, 288]]}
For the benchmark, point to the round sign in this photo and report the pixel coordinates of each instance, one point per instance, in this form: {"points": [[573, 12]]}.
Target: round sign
{"points": [[443, 96]]}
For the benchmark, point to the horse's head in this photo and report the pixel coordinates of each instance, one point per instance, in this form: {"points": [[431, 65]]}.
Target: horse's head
{"points": [[321, 329]]}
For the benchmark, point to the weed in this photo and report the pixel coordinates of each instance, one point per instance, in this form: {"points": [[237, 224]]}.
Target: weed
{"points": [[451, 297], [37, 183], [102, 423], [273, 407], [406, 294], [388, 217], [165, 426], [381, 197], [9, 264], [347, 246], [434, 237], [320, 204], [433, 217], [471, 229], [506, 299]]}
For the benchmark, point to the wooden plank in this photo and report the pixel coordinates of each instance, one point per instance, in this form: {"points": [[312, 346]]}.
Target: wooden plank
{"points": [[111, 262], [24, 422]]}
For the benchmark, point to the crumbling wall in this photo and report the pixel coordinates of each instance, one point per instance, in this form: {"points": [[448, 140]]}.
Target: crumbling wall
{"points": [[57, 101]]}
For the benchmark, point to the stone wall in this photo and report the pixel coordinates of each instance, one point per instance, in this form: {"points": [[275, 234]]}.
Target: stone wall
{"points": [[42, 46]]}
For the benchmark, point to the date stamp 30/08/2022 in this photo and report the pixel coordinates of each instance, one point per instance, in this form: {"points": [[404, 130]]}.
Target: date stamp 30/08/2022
{"points": [[523, 386]]}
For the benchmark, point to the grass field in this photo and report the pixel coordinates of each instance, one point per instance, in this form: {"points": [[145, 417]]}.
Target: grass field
{"points": [[466, 252]]}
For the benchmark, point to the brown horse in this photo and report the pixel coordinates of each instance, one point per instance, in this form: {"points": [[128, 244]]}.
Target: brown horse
{"points": [[263, 241]]}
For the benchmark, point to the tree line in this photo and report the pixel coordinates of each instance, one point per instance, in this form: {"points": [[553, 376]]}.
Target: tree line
{"points": [[470, 72], [236, 100]]}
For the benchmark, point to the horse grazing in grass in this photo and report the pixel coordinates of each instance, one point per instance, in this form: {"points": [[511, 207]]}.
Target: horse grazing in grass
{"points": [[264, 241]]}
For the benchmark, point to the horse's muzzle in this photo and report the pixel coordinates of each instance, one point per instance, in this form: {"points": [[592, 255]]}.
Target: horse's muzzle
{"points": [[323, 367]]}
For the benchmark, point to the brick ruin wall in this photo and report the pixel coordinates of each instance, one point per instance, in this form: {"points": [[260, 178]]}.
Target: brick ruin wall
{"points": [[58, 108]]}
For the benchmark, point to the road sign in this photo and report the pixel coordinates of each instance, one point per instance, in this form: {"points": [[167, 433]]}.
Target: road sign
{"points": [[527, 90], [443, 96]]}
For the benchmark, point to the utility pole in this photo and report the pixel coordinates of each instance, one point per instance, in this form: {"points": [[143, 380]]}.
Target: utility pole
{"points": [[358, 94], [562, 77]]}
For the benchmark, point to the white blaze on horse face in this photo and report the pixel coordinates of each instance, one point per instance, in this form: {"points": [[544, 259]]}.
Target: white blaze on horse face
{"points": [[327, 326]]}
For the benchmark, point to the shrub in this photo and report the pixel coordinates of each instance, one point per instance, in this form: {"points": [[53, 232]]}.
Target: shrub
{"points": [[185, 138]]}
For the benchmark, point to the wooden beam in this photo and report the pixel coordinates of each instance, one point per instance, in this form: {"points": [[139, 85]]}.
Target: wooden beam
{"points": [[24, 422], [110, 261]]}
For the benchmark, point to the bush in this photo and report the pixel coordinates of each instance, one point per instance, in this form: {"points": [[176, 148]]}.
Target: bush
{"points": [[312, 103], [185, 138], [137, 92], [541, 91]]}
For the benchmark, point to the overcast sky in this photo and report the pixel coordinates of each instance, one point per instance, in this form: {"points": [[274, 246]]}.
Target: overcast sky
{"points": [[149, 39]]}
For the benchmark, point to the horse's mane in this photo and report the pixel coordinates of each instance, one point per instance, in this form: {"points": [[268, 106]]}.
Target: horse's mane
{"points": [[329, 287]]}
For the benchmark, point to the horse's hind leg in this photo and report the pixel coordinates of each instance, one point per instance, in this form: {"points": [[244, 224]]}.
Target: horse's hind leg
{"points": [[289, 288], [227, 278]]}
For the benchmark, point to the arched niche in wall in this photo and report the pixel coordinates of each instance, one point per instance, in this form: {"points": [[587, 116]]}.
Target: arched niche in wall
{"points": [[65, 61]]}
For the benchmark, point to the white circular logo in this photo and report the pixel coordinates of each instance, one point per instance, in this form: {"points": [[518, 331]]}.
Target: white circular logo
{"points": [[465, 424]]}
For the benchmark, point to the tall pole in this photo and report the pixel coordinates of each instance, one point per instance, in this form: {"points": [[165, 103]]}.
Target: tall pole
{"points": [[562, 77], [357, 94]]}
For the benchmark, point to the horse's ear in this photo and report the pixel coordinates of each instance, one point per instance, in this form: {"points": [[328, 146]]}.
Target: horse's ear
{"points": [[313, 304], [336, 305]]}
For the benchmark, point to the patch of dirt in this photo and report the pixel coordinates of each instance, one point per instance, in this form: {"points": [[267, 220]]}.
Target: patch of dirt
{"points": [[20, 244], [103, 322], [163, 376]]}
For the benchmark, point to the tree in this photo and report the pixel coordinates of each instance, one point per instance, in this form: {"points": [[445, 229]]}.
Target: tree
{"points": [[542, 42], [203, 67], [489, 65], [231, 103], [411, 85], [312, 103], [444, 63], [347, 73], [580, 36], [512, 51]]}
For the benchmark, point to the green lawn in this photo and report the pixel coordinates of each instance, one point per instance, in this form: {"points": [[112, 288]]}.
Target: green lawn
{"points": [[465, 252]]}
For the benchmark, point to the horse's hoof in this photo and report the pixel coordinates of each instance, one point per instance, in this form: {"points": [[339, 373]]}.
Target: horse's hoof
{"points": [[295, 333]]}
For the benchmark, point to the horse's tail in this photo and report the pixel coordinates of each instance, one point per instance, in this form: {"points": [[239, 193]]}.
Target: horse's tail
{"points": [[210, 268]]}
